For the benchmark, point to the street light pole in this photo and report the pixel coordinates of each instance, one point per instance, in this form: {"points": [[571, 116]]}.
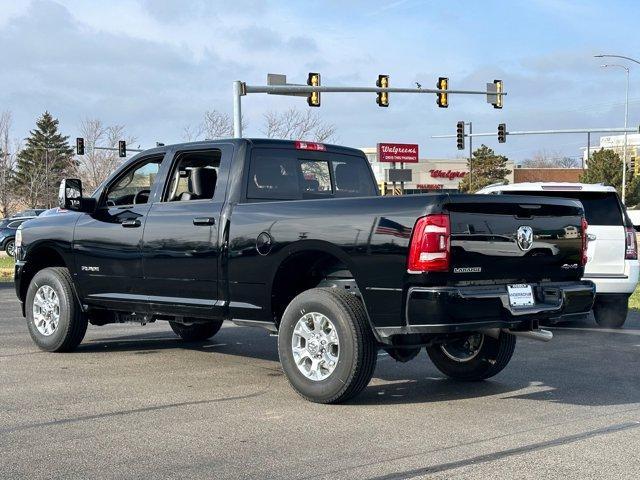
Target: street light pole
{"points": [[470, 153], [626, 108], [626, 121]]}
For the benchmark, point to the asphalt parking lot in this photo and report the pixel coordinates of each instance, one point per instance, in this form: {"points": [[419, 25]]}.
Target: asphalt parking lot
{"points": [[136, 402]]}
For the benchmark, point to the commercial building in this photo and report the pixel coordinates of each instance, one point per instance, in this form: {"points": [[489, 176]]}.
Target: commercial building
{"points": [[428, 174], [616, 143]]}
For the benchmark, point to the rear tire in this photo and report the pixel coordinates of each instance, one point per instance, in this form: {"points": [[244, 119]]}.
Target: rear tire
{"points": [[55, 320], [610, 311], [488, 359], [196, 332], [335, 350]]}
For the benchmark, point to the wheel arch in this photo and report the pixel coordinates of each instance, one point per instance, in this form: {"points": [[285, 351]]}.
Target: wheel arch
{"points": [[303, 265], [39, 257]]}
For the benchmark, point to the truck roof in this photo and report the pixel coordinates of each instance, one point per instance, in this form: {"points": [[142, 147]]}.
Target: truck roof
{"points": [[547, 186], [265, 143]]}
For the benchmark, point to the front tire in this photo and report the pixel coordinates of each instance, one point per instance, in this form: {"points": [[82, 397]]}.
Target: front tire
{"points": [[55, 320], [611, 311], [196, 332], [473, 358], [326, 346]]}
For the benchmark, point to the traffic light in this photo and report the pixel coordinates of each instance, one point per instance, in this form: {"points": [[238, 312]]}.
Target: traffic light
{"points": [[499, 89], [313, 99], [383, 97], [122, 148], [502, 133], [79, 146], [460, 135], [442, 98]]}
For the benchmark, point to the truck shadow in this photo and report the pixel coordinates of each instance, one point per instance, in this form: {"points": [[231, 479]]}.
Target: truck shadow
{"points": [[581, 366]]}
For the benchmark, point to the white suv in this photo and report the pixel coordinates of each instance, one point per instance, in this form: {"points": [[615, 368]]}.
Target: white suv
{"points": [[612, 250]]}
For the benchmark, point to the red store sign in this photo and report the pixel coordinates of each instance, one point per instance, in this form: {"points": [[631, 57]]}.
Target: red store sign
{"points": [[449, 174], [398, 152]]}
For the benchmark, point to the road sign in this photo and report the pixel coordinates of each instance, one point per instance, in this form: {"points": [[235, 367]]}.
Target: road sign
{"points": [[399, 175], [398, 152]]}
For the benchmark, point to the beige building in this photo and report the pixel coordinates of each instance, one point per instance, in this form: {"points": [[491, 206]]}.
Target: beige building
{"points": [[429, 174], [616, 143]]}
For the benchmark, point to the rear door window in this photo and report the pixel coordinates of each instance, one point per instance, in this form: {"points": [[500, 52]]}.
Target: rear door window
{"points": [[352, 177], [600, 208]]}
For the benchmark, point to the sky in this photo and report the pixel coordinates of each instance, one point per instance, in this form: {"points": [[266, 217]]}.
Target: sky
{"points": [[157, 65]]}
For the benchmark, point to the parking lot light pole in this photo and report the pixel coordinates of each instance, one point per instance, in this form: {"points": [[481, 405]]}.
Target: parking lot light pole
{"points": [[626, 121]]}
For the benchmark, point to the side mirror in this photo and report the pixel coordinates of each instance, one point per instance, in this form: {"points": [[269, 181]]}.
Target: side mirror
{"points": [[70, 196]]}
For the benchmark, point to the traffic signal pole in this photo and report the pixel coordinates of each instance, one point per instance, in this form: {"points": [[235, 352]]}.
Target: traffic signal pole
{"points": [[241, 89], [548, 132]]}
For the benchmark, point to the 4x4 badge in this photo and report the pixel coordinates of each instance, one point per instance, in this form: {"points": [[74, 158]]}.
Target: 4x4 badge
{"points": [[524, 238]]}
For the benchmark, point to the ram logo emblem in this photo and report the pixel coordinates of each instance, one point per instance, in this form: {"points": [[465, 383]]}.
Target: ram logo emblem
{"points": [[524, 238]]}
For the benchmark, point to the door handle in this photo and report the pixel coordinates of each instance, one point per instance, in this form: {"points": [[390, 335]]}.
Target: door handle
{"points": [[591, 237], [131, 223], [204, 221]]}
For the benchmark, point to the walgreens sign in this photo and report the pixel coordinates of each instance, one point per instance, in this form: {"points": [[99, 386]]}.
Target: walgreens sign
{"points": [[398, 152], [450, 174]]}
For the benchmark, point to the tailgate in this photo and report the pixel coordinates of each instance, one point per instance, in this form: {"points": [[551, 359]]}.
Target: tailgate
{"points": [[514, 238]]}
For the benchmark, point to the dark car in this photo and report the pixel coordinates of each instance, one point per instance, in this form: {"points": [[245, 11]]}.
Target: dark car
{"points": [[295, 238], [32, 212], [8, 227]]}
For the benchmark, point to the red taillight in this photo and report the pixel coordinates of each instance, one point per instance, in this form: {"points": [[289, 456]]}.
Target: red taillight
{"points": [[631, 244], [317, 147], [430, 245], [585, 240]]}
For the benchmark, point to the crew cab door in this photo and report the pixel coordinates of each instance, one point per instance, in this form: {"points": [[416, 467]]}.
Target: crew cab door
{"points": [[181, 242], [107, 243]]}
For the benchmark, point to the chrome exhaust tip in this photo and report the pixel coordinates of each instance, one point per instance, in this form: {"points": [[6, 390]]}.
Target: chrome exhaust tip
{"points": [[539, 334]]}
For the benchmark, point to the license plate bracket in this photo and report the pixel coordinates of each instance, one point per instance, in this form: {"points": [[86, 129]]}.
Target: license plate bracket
{"points": [[521, 295]]}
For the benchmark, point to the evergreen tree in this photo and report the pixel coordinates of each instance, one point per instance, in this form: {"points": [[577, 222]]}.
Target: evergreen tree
{"points": [[45, 160], [604, 166], [486, 168]]}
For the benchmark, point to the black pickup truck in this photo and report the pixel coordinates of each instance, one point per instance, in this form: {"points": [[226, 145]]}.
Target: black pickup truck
{"points": [[294, 237]]}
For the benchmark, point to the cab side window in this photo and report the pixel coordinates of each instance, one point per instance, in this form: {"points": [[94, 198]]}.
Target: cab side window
{"points": [[194, 176], [134, 187]]}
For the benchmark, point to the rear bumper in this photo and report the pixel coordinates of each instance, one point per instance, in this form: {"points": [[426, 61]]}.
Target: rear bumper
{"points": [[622, 283], [460, 309]]}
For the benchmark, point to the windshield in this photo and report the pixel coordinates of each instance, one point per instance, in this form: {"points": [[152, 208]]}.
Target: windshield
{"points": [[600, 208]]}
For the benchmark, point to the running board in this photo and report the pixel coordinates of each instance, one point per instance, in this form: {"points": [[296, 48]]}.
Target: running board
{"points": [[270, 326]]}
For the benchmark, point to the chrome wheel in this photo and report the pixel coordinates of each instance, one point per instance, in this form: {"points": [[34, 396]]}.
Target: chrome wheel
{"points": [[11, 249], [315, 346], [463, 349], [46, 310]]}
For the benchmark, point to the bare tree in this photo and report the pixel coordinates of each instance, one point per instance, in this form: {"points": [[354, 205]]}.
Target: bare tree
{"points": [[543, 159], [96, 165], [214, 125], [294, 124], [8, 154], [568, 162]]}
